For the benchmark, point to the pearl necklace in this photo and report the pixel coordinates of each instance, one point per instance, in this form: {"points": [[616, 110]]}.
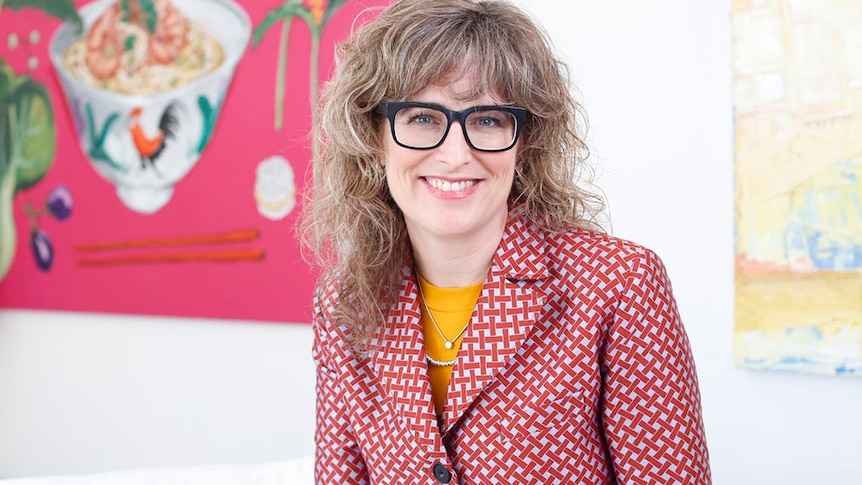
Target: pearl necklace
{"points": [[440, 363], [448, 344]]}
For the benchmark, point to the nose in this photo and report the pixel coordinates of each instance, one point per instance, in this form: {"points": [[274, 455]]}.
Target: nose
{"points": [[455, 151]]}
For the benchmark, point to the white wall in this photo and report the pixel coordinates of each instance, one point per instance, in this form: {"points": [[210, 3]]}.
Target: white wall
{"points": [[82, 393]]}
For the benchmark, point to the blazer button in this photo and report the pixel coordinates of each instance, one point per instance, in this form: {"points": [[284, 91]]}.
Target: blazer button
{"points": [[441, 473]]}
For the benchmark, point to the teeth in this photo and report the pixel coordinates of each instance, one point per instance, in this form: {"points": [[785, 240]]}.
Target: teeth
{"points": [[447, 186]]}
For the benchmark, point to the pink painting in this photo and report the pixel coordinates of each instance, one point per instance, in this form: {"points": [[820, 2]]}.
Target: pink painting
{"points": [[154, 152]]}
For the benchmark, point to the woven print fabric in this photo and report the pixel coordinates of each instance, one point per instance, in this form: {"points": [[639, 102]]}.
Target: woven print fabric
{"points": [[576, 369]]}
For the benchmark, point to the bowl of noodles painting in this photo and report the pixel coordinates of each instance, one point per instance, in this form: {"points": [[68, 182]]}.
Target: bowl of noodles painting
{"points": [[144, 83]]}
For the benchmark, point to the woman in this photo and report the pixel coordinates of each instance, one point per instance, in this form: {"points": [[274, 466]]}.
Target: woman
{"points": [[473, 324]]}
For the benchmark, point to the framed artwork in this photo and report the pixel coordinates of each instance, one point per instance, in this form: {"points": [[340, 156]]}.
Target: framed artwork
{"points": [[154, 153], [797, 68]]}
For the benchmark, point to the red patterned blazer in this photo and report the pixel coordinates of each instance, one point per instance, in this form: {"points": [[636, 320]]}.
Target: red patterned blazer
{"points": [[576, 369]]}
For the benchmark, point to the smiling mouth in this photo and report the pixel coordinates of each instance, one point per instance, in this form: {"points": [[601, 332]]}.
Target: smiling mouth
{"points": [[446, 186]]}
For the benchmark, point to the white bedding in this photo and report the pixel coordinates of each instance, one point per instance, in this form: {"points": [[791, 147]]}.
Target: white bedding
{"points": [[290, 472]]}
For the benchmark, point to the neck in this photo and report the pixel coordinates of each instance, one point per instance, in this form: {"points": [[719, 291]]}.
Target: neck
{"points": [[455, 262]]}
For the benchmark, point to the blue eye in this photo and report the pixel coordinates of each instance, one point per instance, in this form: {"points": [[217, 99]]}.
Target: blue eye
{"points": [[423, 119], [420, 116], [488, 122], [491, 120]]}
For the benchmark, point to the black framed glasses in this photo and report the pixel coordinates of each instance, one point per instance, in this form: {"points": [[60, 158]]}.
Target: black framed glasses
{"points": [[423, 126]]}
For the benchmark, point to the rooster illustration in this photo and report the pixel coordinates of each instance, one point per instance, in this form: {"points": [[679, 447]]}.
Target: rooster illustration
{"points": [[150, 148]]}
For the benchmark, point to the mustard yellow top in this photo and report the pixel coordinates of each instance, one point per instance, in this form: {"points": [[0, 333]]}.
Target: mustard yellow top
{"points": [[452, 309]]}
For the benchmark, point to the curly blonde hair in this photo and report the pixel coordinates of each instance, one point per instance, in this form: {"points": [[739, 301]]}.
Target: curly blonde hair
{"points": [[351, 225]]}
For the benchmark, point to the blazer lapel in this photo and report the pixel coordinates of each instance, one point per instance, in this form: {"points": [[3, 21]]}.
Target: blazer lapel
{"points": [[505, 314]]}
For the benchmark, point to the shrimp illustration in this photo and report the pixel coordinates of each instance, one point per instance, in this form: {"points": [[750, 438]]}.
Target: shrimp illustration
{"points": [[170, 36], [103, 46], [120, 41], [135, 42]]}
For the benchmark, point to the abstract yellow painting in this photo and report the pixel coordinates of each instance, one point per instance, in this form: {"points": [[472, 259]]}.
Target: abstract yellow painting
{"points": [[797, 74]]}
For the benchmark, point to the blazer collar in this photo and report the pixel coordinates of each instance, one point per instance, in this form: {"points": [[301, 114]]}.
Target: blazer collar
{"points": [[505, 313]]}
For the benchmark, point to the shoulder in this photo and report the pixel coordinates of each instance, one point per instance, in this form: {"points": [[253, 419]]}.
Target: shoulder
{"points": [[634, 274], [325, 293], [582, 247], [527, 245], [595, 242], [329, 336]]}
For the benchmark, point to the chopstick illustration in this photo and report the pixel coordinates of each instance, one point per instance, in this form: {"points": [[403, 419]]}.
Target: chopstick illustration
{"points": [[245, 235]]}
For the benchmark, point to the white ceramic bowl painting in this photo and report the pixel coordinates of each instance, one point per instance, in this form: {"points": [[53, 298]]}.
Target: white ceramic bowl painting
{"points": [[146, 139]]}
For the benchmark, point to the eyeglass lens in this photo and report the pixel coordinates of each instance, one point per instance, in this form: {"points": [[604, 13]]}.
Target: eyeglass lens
{"points": [[424, 127]]}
